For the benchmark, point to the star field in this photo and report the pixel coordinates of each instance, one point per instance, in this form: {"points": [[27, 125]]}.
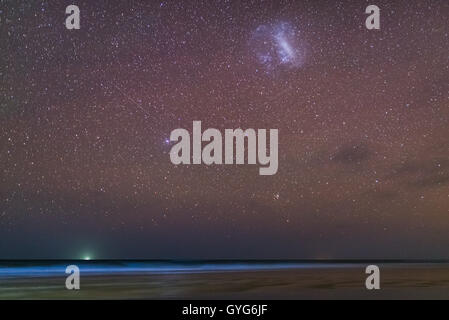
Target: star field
{"points": [[86, 116]]}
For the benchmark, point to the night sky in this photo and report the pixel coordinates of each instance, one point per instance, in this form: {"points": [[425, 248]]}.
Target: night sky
{"points": [[86, 116]]}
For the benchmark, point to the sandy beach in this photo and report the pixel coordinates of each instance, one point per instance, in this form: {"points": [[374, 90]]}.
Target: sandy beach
{"points": [[398, 281]]}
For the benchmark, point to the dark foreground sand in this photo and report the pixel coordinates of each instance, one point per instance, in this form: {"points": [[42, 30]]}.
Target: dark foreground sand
{"points": [[397, 282]]}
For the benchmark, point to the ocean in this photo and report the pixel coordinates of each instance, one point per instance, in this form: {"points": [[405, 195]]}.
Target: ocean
{"points": [[223, 279]]}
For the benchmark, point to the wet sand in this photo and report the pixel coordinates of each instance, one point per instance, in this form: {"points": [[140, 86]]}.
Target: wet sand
{"points": [[426, 281]]}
